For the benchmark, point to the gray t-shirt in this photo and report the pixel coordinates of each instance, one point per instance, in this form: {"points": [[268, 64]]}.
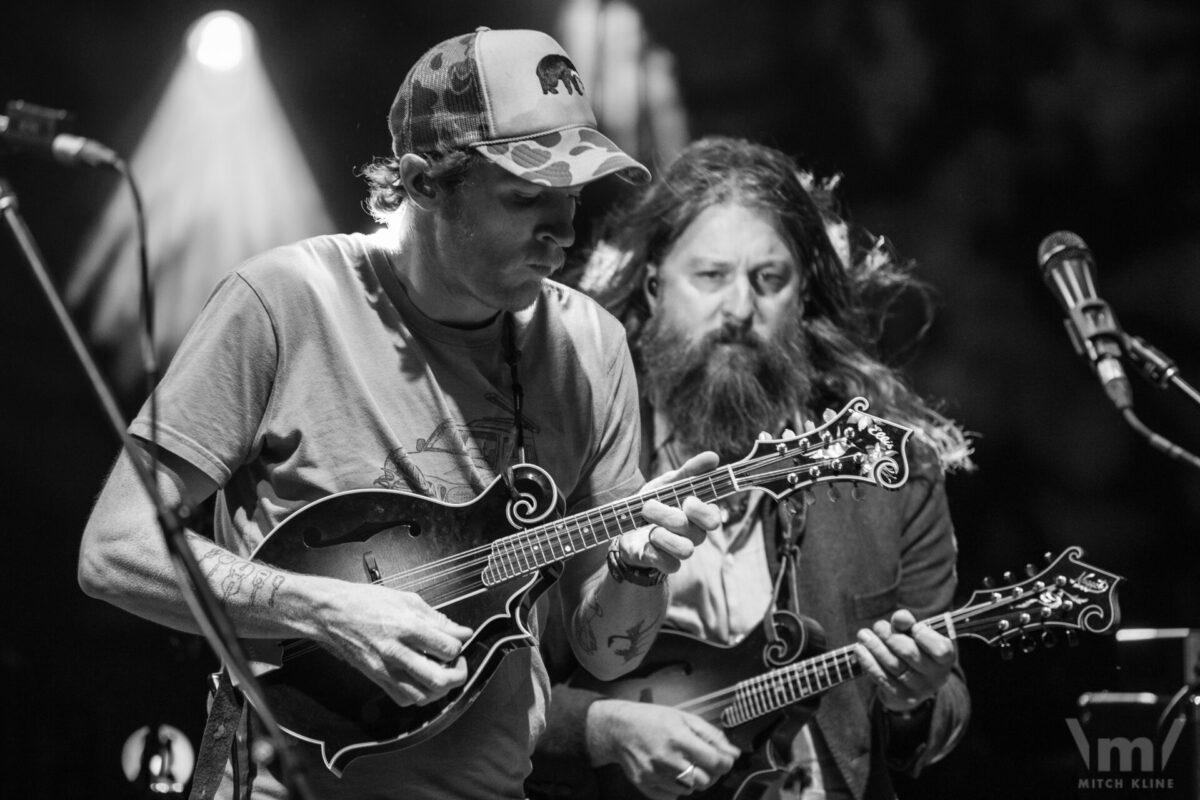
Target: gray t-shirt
{"points": [[309, 372]]}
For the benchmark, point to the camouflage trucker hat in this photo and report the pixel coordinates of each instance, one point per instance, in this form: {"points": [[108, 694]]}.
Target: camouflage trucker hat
{"points": [[514, 97]]}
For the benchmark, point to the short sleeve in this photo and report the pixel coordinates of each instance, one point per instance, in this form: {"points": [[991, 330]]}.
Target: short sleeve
{"points": [[214, 395]]}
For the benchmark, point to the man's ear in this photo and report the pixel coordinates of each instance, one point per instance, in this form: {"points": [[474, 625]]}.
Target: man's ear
{"points": [[414, 175], [650, 286]]}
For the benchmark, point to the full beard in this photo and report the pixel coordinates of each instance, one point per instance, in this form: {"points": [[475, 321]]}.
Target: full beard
{"points": [[722, 391]]}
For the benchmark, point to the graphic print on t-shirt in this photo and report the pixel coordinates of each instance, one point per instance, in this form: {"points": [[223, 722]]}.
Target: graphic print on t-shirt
{"points": [[434, 465]]}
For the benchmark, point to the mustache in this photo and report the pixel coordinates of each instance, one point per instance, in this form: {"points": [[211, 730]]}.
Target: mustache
{"points": [[731, 333], [721, 400]]}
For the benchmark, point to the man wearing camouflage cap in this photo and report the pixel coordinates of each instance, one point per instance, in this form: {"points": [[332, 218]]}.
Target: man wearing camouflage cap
{"points": [[430, 358]]}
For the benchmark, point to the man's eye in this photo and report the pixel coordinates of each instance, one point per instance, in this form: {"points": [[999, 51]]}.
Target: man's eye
{"points": [[770, 282]]}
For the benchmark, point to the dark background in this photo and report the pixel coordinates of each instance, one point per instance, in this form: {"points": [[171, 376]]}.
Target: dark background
{"points": [[967, 132]]}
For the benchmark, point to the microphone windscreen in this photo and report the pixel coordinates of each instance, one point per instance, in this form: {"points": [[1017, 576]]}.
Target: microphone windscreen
{"points": [[1056, 243]]}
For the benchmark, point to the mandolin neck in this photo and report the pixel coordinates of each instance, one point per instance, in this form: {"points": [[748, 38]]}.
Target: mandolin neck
{"points": [[552, 542], [780, 688]]}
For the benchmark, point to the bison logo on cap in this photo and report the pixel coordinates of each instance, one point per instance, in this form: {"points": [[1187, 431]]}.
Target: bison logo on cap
{"points": [[555, 69]]}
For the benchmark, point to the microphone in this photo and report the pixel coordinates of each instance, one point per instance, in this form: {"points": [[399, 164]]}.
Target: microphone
{"points": [[34, 129], [1066, 265]]}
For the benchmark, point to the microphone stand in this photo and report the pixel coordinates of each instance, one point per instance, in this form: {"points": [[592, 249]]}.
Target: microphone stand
{"points": [[1158, 368], [210, 617], [1161, 371]]}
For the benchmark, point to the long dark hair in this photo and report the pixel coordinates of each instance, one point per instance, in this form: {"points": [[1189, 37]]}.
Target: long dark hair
{"points": [[849, 288]]}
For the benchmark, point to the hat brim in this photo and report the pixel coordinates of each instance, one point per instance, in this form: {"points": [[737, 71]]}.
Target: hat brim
{"points": [[570, 157]]}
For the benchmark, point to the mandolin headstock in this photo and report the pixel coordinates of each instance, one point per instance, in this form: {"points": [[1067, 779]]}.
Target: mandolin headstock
{"points": [[851, 445], [1068, 595]]}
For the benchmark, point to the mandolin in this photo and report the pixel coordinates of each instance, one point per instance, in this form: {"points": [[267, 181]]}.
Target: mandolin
{"points": [[727, 685], [485, 563]]}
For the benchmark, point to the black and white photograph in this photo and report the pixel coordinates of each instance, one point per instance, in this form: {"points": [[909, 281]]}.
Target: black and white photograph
{"points": [[601, 399]]}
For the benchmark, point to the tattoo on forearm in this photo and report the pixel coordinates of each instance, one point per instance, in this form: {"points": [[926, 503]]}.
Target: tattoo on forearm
{"points": [[218, 557], [226, 571], [260, 577], [585, 637], [638, 638]]}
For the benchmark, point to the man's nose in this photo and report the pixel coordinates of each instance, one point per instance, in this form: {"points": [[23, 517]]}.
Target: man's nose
{"points": [[740, 300], [558, 227]]}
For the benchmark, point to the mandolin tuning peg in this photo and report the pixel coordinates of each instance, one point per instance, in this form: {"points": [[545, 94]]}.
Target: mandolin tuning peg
{"points": [[1006, 651], [809, 497], [856, 492], [1048, 556], [989, 582], [834, 493], [1008, 576], [1030, 570], [1026, 644], [1072, 639], [1048, 639]]}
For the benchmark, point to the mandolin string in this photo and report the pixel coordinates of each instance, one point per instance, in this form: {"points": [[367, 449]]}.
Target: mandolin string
{"points": [[448, 593], [525, 552], [465, 582], [456, 577], [753, 687], [759, 687], [462, 569], [478, 557], [520, 541]]}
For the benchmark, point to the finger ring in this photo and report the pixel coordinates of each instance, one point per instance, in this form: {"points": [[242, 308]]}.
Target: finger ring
{"points": [[685, 778]]}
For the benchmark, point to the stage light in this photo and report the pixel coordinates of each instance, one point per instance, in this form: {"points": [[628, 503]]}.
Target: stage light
{"points": [[222, 177], [219, 40], [634, 89], [159, 761]]}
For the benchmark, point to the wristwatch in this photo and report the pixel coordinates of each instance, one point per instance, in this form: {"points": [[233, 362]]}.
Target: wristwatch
{"points": [[623, 572]]}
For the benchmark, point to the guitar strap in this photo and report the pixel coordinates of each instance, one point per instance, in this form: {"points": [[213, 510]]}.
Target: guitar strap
{"points": [[512, 355], [225, 726], [784, 526]]}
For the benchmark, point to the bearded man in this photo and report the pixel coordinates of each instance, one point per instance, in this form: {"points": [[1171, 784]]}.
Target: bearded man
{"points": [[751, 306]]}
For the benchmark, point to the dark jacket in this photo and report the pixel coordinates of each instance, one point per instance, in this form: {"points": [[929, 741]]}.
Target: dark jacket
{"points": [[860, 560]]}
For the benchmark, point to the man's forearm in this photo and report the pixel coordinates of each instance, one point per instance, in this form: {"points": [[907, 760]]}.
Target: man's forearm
{"points": [[262, 602], [615, 623], [124, 561]]}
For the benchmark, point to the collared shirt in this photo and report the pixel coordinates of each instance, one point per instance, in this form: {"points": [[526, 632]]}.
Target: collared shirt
{"points": [[725, 588]]}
